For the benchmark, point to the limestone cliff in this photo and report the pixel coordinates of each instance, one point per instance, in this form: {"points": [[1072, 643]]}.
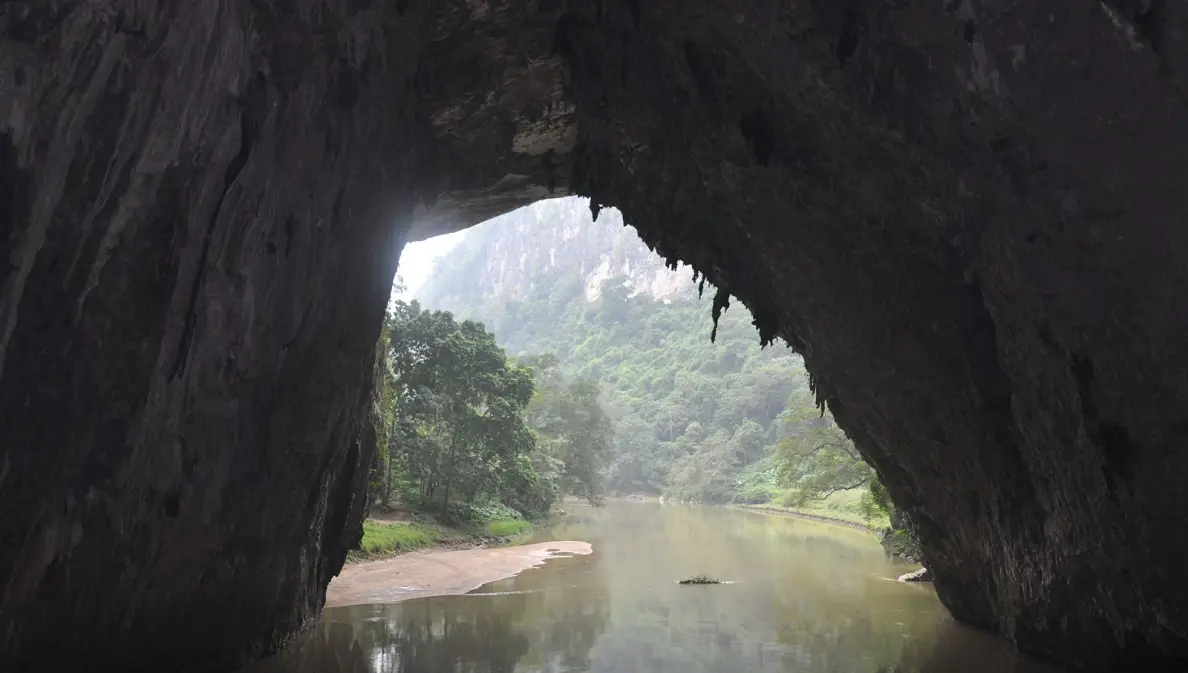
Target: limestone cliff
{"points": [[550, 243], [964, 213]]}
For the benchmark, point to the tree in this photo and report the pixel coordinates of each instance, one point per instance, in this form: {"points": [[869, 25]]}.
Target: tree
{"points": [[384, 418], [708, 473], [651, 358], [634, 467], [571, 426], [589, 437], [815, 457], [459, 408]]}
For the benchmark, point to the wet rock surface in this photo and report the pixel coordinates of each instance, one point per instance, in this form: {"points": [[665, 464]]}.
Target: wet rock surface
{"points": [[921, 575], [965, 214]]}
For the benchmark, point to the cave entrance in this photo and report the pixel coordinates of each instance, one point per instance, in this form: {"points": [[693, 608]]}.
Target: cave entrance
{"points": [[632, 402], [966, 233], [682, 389]]}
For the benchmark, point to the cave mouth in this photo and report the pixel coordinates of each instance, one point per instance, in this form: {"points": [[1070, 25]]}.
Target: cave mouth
{"points": [[586, 302], [962, 228]]}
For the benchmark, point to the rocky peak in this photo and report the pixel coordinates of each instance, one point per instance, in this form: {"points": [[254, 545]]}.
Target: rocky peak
{"points": [[549, 242]]}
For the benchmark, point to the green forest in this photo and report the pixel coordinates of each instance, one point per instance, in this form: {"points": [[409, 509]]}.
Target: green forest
{"points": [[471, 435], [579, 365]]}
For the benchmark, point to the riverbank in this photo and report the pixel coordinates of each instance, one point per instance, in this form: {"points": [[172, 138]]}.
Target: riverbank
{"points": [[387, 534], [897, 543], [440, 573], [814, 515]]}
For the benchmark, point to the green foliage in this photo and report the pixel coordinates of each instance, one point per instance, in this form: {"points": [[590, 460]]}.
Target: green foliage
{"points": [[684, 416], [843, 506], [495, 519], [472, 515], [381, 539], [815, 458], [535, 484], [758, 494], [383, 413], [876, 502], [572, 428], [508, 527], [461, 427], [688, 418], [791, 499], [901, 542], [458, 430]]}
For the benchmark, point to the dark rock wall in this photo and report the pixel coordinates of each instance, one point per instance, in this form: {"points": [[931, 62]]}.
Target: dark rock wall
{"points": [[196, 212], [966, 214], [968, 219], [202, 204]]}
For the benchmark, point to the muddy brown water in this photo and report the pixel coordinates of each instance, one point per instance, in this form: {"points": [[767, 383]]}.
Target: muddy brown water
{"points": [[798, 596]]}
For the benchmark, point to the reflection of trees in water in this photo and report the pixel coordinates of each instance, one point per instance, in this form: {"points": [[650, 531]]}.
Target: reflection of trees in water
{"points": [[444, 635], [420, 636], [332, 648], [860, 633], [828, 644], [805, 602], [547, 628], [809, 599], [563, 610], [913, 640], [961, 648]]}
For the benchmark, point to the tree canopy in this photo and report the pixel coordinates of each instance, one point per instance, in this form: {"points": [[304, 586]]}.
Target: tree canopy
{"points": [[459, 407], [461, 423], [815, 457], [571, 426]]}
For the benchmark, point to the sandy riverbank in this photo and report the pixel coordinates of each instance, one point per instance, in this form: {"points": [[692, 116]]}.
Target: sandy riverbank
{"points": [[439, 573]]}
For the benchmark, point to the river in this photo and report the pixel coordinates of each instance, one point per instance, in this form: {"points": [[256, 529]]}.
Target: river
{"points": [[797, 595]]}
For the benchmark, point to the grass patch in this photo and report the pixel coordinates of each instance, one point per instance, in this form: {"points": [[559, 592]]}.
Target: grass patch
{"points": [[464, 525], [843, 506], [384, 539], [507, 527]]}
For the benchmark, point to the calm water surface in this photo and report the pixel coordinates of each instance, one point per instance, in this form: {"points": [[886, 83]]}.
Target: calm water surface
{"points": [[802, 596]]}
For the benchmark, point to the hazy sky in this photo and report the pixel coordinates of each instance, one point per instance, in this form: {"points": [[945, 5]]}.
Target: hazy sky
{"points": [[417, 261]]}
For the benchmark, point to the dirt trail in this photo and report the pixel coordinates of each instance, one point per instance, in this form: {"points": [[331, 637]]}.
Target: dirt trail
{"points": [[438, 573]]}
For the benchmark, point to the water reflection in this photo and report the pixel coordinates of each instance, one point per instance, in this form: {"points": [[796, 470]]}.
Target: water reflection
{"points": [[804, 597], [505, 626]]}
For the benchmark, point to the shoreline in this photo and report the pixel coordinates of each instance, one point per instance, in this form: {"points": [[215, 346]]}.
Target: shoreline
{"points": [[420, 536], [766, 509], [873, 531], [866, 528], [440, 572]]}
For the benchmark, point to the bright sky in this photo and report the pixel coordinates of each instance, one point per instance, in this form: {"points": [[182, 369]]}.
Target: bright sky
{"points": [[418, 258]]}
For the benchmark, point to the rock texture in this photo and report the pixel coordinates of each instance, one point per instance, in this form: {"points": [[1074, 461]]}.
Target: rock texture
{"points": [[921, 575], [964, 213], [540, 246]]}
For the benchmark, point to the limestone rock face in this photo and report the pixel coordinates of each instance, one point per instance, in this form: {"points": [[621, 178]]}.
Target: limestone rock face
{"points": [[966, 214]]}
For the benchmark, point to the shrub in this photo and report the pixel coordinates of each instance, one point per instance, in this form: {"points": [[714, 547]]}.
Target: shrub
{"points": [[508, 527], [381, 539], [480, 515], [792, 498], [758, 494]]}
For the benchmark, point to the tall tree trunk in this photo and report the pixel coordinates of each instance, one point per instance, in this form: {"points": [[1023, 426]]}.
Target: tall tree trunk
{"points": [[449, 479], [388, 459]]}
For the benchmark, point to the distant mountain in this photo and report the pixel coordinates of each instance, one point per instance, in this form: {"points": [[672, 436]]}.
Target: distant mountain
{"points": [[694, 419], [552, 241]]}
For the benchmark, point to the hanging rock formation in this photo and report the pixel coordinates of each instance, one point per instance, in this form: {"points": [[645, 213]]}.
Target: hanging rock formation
{"points": [[966, 214]]}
